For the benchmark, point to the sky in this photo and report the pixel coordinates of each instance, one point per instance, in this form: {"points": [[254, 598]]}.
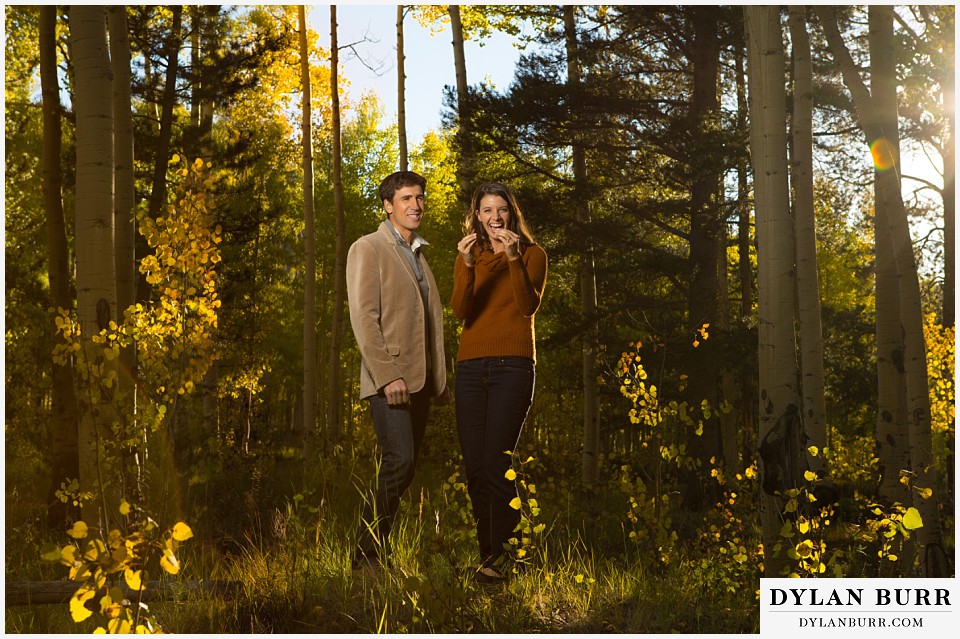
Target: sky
{"points": [[429, 60]]}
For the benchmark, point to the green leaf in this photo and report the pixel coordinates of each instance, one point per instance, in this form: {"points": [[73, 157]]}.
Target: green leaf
{"points": [[50, 552]]}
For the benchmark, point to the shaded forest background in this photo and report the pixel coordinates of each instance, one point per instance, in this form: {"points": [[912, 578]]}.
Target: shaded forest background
{"points": [[745, 354]]}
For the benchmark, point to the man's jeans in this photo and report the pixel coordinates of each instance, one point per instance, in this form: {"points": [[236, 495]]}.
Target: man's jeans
{"points": [[493, 395], [400, 431]]}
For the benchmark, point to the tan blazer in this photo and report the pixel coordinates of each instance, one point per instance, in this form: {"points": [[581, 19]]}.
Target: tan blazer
{"points": [[387, 316]]}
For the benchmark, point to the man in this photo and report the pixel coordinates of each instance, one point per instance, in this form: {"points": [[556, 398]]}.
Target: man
{"points": [[397, 318]]}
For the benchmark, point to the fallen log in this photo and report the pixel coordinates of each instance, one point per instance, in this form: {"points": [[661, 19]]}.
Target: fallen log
{"points": [[30, 593]]}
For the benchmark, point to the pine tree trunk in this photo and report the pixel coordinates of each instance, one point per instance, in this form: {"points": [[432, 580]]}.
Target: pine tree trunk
{"points": [[779, 400], [590, 348], [96, 280], [401, 91], [158, 191], [705, 231], [340, 258], [64, 403], [814, 408], [309, 251]]}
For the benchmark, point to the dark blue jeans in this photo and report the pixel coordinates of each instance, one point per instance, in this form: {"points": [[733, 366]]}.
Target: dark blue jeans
{"points": [[493, 395], [400, 431]]}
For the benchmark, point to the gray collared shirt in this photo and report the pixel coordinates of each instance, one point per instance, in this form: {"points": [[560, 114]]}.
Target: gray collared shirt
{"points": [[412, 252]]}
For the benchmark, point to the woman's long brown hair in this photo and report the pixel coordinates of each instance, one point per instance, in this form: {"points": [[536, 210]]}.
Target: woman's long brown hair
{"points": [[471, 224]]}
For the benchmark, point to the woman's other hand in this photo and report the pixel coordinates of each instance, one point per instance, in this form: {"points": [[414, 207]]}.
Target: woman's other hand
{"points": [[465, 247], [510, 242]]}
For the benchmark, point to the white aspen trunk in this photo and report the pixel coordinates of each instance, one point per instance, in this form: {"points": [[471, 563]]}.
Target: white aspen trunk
{"points": [[309, 251], [466, 172], [933, 560], [401, 91], [124, 194], [96, 280], [340, 247], [775, 273], [814, 409]]}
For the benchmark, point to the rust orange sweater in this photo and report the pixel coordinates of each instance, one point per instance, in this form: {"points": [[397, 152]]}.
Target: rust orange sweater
{"points": [[497, 300]]}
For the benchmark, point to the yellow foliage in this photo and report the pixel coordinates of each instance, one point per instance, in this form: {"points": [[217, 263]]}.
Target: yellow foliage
{"points": [[940, 373]]}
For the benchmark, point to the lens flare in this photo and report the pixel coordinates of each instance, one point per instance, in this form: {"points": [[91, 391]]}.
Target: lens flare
{"points": [[884, 154]]}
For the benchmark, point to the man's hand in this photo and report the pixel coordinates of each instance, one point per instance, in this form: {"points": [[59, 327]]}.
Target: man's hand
{"points": [[397, 393]]}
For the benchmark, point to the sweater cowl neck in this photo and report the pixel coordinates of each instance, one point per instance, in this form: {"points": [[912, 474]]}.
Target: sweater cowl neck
{"points": [[494, 261]]}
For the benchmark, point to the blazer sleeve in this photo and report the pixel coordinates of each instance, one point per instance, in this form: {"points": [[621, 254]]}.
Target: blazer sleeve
{"points": [[528, 277], [364, 287], [463, 282]]}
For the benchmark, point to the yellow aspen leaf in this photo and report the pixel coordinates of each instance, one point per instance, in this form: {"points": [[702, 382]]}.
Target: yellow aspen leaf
{"points": [[124, 507], [803, 527], [926, 493], [119, 626], [68, 554], [78, 531], [515, 503], [809, 475], [134, 579], [169, 562], [511, 474], [813, 450], [181, 531], [78, 610], [100, 631], [912, 519]]}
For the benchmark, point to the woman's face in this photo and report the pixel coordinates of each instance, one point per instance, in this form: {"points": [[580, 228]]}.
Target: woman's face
{"points": [[494, 215]]}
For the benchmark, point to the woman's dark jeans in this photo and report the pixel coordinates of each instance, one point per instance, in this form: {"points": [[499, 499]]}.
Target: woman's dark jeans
{"points": [[400, 431], [493, 395]]}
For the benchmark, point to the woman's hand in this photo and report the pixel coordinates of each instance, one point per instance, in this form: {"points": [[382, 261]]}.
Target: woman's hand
{"points": [[510, 242], [465, 247]]}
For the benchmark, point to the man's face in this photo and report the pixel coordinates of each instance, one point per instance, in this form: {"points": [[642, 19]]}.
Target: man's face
{"points": [[405, 210]]}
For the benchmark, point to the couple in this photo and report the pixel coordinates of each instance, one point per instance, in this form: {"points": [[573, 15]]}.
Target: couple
{"points": [[397, 318]]}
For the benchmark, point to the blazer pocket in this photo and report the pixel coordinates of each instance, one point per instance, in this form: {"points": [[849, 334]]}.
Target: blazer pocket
{"points": [[393, 349]]}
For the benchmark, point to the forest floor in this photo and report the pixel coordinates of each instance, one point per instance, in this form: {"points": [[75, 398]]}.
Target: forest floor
{"points": [[289, 556]]}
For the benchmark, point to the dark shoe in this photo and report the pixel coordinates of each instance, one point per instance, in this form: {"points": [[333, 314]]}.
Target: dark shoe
{"points": [[487, 575]]}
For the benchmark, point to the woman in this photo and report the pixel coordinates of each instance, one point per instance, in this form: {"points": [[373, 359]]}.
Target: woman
{"points": [[499, 277]]}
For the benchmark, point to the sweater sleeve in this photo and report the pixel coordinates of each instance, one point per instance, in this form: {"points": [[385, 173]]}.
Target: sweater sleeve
{"points": [[528, 276], [463, 280]]}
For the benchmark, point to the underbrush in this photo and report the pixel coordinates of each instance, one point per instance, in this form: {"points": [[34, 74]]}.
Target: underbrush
{"points": [[610, 559]]}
